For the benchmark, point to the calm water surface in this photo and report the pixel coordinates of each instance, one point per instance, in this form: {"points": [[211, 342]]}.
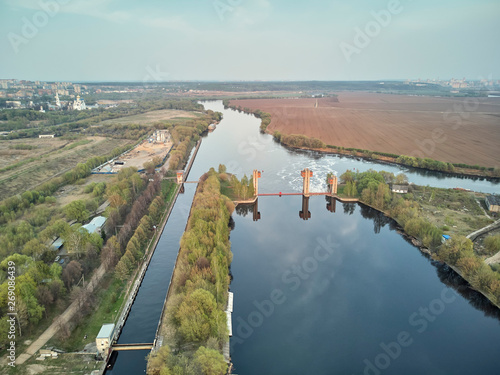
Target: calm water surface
{"points": [[344, 285]]}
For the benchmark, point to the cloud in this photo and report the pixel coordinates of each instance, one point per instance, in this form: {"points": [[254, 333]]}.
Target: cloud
{"points": [[91, 8], [176, 23], [251, 12]]}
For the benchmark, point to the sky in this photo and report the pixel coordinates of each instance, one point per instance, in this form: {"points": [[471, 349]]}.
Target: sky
{"points": [[163, 40]]}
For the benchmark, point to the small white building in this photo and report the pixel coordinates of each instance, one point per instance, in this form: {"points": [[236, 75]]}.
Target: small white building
{"points": [[95, 225], [46, 136], [493, 203], [103, 339], [400, 189]]}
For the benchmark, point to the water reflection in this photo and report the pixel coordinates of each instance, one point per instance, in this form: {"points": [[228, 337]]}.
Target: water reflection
{"points": [[336, 310], [452, 279], [379, 219], [305, 214], [349, 208], [331, 204]]}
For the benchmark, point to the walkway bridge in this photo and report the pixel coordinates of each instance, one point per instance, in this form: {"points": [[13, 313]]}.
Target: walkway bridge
{"points": [[121, 347]]}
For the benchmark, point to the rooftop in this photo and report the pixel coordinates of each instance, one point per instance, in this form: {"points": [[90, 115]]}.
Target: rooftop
{"points": [[493, 199], [399, 187], [106, 331], [56, 245], [96, 223]]}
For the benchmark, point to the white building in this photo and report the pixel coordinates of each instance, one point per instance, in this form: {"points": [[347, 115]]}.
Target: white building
{"points": [[78, 104], [58, 102], [103, 339]]}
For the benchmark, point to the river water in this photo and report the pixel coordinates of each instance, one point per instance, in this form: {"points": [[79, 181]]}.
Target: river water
{"points": [[339, 293]]}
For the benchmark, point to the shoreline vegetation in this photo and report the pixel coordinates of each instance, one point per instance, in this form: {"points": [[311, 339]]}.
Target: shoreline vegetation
{"points": [[302, 142], [194, 327], [456, 213]]}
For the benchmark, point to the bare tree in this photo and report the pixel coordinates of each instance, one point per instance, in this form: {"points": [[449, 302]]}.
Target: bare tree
{"points": [[72, 273]]}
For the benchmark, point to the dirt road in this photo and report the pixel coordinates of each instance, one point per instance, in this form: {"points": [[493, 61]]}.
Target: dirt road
{"points": [[63, 318]]}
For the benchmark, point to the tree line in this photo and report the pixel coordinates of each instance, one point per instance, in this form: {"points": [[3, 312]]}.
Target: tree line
{"points": [[198, 295], [372, 188]]}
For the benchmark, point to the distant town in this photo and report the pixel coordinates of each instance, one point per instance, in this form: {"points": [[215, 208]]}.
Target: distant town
{"points": [[55, 96]]}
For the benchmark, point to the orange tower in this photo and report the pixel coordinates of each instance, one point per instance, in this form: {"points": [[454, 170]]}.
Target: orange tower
{"points": [[306, 175]]}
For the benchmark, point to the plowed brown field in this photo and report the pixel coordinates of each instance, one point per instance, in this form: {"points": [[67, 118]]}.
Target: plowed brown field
{"points": [[457, 130]]}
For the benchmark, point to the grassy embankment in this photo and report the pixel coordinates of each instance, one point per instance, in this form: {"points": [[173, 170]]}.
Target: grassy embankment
{"points": [[427, 213], [304, 142]]}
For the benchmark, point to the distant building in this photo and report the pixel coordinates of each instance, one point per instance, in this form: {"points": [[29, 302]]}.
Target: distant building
{"points": [[493, 203], [13, 104], [58, 102], [78, 104], [95, 225], [57, 244], [46, 136], [161, 136], [103, 339], [400, 189]]}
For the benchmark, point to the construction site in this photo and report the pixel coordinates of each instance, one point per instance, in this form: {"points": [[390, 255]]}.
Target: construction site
{"points": [[154, 148]]}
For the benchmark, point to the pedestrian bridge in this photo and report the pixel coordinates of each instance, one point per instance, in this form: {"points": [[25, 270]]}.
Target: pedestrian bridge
{"points": [[121, 347]]}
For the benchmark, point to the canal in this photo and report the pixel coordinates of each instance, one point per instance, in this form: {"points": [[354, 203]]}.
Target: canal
{"points": [[338, 288]]}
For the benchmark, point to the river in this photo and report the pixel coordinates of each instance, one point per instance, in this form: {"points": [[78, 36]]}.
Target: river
{"points": [[359, 285]]}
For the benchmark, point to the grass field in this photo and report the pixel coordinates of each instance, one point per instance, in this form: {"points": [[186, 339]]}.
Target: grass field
{"points": [[77, 364], [456, 212], [452, 130], [151, 117], [48, 158]]}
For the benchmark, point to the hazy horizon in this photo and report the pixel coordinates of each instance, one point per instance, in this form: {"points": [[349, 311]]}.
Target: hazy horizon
{"points": [[248, 40]]}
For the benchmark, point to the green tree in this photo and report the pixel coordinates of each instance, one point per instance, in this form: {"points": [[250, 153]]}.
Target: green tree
{"points": [[198, 316], [76, 210], [210, 361], [222, 168], [492, 244], [34, 249]]}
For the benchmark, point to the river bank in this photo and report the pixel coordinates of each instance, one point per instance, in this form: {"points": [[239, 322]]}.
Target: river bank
{"points": [[464, 261], [424, 164]]}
